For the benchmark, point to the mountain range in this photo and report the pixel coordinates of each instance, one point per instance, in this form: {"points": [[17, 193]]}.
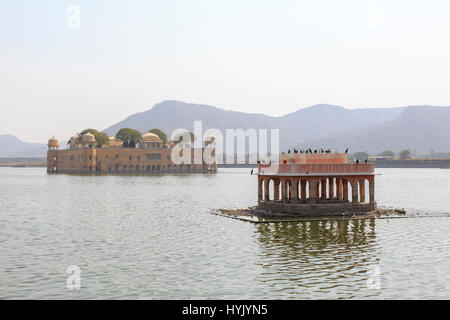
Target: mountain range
{"points": [[419, 128]]}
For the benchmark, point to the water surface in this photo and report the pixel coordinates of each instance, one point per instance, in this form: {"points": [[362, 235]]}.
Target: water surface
{"points": [[153, 238]]}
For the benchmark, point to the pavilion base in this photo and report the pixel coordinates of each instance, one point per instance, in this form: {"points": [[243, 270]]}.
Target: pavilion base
{"points": [[316, 209]]}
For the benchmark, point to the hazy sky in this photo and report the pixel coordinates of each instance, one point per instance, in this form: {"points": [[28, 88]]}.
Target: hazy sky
{"points": [[271, 57]]}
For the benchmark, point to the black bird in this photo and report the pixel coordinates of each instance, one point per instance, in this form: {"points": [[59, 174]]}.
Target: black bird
{"points": [[310, 151], [289, 151], [365, 161], [251, 172], [346, 150], [315, 151], [357, 161], [258, 162]]}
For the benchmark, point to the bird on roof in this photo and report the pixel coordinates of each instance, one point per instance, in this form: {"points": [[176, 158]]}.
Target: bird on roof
{"points": [[346, 150], [357, 161], [365, 161], [289, 151], [251, 172], [315, 151]]}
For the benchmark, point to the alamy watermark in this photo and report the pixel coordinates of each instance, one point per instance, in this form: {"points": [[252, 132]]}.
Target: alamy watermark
{"points": [[73, 282], [236, 146], [73, 19], [373, 277]]}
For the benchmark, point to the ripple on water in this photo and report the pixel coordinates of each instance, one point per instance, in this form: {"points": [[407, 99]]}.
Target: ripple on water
{"points": [[153, 238]]}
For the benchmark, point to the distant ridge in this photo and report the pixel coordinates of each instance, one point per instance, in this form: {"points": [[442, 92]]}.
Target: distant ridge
{"points": [[422, 129], [11, 146], [419, 128], [313, 122]]}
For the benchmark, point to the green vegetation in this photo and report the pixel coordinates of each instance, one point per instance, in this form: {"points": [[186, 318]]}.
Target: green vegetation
{"points": [[129, 137], [179, 137], [405, 154], [101, 138], [161, 134]]}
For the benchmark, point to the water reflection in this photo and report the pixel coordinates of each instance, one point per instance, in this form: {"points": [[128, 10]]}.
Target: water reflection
{"points": [[326, 256]]}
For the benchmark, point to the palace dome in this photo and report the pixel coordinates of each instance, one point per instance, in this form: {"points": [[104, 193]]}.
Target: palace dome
{"points": [[88, 137], [150, 137], [53, 142]]}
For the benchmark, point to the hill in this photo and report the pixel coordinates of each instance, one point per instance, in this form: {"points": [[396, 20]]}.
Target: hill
{"points": [[309, 123], [419, 128]]}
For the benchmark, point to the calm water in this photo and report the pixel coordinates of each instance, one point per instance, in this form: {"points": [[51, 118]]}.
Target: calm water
{"points": [[154, 238]]}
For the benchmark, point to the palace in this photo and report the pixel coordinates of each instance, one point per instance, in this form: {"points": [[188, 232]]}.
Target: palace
{"points": [[150, 156], [316, 184]]}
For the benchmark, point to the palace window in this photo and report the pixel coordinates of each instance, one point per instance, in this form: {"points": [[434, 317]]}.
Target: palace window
{"points": [[72, 158], [130, 158], [117, 156], [156, 156], [149, 156], [138, 158]]}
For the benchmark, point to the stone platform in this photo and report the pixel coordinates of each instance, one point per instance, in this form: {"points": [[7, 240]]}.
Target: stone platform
{"points": [[316, 208]]}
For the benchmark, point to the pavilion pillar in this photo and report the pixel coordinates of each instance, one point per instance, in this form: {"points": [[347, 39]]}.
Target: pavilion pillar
{"points": [[339, 193], [303, 189], [260, 188], [294, 192], [276, 190], [284, 190], [324, 188], [331, 186], [313, 188], [318, 189], [354, 184], [372, 190], [362, 190], [345, 189], [266, 189]]}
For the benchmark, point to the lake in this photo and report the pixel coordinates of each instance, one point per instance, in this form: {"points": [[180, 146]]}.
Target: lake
{"points": [[153, 237]]}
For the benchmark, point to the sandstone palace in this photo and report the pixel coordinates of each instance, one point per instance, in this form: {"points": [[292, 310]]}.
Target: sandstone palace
{"points": [[150, 155]]}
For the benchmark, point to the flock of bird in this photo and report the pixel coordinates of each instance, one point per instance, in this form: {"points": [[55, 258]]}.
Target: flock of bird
{"points": [[311, 151]]}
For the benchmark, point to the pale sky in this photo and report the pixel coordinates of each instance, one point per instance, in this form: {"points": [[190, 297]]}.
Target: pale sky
{"points": [[270, 57]]}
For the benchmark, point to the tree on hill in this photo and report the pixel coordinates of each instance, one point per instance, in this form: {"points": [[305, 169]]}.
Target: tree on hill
{"points": [[405, 154], [101, 138], [129, 137], [161, 134], [179, 137]]}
